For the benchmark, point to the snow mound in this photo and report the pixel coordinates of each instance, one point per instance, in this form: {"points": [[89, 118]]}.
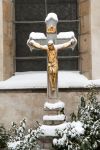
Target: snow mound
{"points": [[60, 117], [52, 106]]}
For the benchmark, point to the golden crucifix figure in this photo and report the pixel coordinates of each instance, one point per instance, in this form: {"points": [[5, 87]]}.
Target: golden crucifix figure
{"points": [[52, 49]]}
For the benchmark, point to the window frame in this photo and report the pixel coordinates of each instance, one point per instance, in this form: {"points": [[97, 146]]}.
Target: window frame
{"points": [[44, 57]]}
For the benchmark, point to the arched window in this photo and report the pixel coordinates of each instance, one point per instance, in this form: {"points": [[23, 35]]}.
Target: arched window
{"points": [[30, 17]]}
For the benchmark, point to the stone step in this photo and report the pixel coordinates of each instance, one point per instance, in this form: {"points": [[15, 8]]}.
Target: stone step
{"points": [[45, 149], [48, 149], [54, 106], [53, 112], [45, 143], [53, 122], [53, 119]]}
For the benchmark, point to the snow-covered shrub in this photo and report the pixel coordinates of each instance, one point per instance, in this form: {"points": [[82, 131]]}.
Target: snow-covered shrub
{"points": [[22, 138], [4, 136], [89, 115], [69, 137], [89, 119]]}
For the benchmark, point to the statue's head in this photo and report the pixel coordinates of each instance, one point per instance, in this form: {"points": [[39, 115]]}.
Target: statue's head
{"points": [[50, 45]]}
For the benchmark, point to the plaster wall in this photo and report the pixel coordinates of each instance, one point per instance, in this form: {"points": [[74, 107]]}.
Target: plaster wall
{"points": [[85, 38], [1, 41], [16, 105]]}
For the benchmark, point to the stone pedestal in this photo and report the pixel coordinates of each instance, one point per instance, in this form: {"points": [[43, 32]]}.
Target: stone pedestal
{"points": [[54, 113], [46, 143], [52, 119]]}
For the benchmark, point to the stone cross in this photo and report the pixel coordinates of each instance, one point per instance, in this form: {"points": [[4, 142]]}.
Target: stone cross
{"points": [[51, 31], [38, 40]]}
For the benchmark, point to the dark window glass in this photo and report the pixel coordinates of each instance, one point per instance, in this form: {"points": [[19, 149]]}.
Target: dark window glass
{"points": [[65, 9], [30, 17], [27, 65], [30, 10], [68, 64], [22, 34]]}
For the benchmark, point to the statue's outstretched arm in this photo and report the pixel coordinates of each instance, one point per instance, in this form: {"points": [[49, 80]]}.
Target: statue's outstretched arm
{"points": [[32, 44], [70, 44]]}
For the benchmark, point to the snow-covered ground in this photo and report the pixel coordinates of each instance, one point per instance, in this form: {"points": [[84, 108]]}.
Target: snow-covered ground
{"points": [[38, 79]]}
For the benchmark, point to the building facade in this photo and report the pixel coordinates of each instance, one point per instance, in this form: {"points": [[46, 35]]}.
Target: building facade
{"points": [[15, 26], [12, 30]]}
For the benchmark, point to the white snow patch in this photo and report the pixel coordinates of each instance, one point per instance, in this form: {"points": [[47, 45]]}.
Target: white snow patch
{"points": [[65, 35], [72, 79], [54, 117], [95, 82], [13, 144], [51, 16], [52, 106], [37, 35], [25, 80], [78, 127]]}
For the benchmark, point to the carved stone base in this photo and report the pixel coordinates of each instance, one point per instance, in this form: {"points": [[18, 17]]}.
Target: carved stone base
{"points": [[53, 118], [46, 143], [54, 122], [54, 113]]}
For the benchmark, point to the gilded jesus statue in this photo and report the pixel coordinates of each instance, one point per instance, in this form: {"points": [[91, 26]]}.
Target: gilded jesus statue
{"points": [[52, 49]]}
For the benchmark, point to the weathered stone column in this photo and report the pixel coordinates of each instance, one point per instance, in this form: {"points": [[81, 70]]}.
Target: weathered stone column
{"points": [[89, 11], [85, 62], [1, 40], [6, 39]]}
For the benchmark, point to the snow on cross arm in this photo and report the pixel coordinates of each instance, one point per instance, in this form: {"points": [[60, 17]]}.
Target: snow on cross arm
{"points": [[65, 35], [37, 35]]}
